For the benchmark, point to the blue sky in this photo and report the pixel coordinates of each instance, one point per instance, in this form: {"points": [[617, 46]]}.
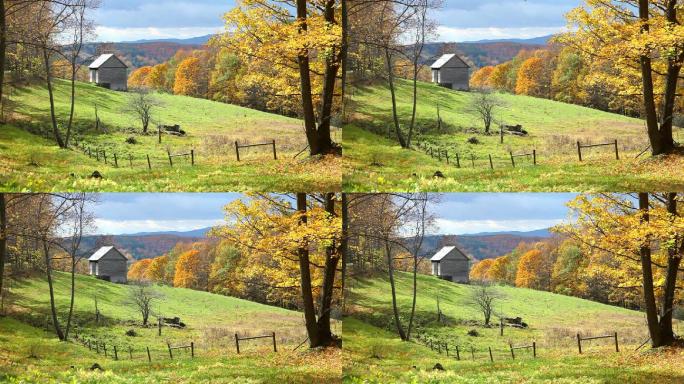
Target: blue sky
{"points": [[460, 20], [465, 213], [468, 20], [120, 213], [457, 213]]}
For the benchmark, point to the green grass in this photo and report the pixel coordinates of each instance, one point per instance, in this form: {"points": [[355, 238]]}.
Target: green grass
{"points": [[30, 162], [373, 352], [212, 320], [373, 162]]}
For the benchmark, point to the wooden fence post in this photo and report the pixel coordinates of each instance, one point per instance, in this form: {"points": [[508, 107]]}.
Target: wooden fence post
{"points": [[275, 157], [149, 357], [491, 164], [237, 150], [104, 346], [116, 354], [534, 349], [458, 161], [512, 351], [534, 156], [491, 357], [439, 348], [579, 151], [617, 155], [275, 349], [104, 155], [446, 155], [97, 154], [149, 164], [237, 343], [192, 349], [170, 160], [501, 327], [431, 155], [446, 348], [170, 352], [617, 349], [159, 133], [192, 157], [159, 325], [512, 160], [116, 161], [97, 347], [579, 343], [458, 354]]}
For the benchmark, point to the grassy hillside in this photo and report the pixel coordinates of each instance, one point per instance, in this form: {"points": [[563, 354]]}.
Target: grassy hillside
{"points": [[554, 128], [212, 128], [212, 320], [554, 321]]}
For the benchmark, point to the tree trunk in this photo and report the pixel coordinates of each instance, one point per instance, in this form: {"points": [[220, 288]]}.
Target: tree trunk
{"points": [[390, 271], [343, 55], [660, 143], [305, 276], [48, 80], [305, 84], [667, 306], [647, 276], [3, 241], [67, 136], [390, 81], [3, 49], [71, 301], [332, 258], [332, 67], [53, 308]]}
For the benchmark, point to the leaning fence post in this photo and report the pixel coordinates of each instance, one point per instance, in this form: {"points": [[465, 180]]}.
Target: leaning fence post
{"points": [[237, 150], [170, 160], [617, 155], [458, 354], [149, 164], [170, 352], [116, 161], [275, 349], [491, 357], [275, 156], [617, 349], [149, 357], [579, 343], [458, 161], [116, 354], [579, 151], [491, 164], [512, 351], [512, 160], [237, 343]]}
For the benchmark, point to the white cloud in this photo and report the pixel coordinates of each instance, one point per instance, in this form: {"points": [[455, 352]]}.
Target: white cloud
{"points": [[152, 33], [462, 227], [119, 227], [493, 33]]}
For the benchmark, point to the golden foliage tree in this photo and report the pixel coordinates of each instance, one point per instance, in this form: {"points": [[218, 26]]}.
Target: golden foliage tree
{"points": [[140, 78], [156, 271], [187, 270], [529, 80], [529, 269], [481, 78], [138, 270], [157, 78], [188, 78], [480, 271]]}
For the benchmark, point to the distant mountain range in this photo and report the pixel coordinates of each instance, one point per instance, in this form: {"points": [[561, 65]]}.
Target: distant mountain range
{"points": [[541, 40], [189, 41], [485, 245]]}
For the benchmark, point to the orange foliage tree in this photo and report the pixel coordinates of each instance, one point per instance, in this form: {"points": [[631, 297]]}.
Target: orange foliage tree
{"points": [[530, 267], [157, 78], [187, 270], [139, 78], [481, 269], [139, 269], [481, 78], [188, 75], [156, 271], [529, 77]]}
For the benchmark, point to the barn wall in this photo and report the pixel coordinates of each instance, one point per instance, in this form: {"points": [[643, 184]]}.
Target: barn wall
{"points": [[114, 266], [459, 270], [117, 78], [459, 78]]}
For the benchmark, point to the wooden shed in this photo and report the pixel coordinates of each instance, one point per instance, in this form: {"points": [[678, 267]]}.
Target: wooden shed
{"points": [[107, 263], [110, 72], [451, 71], [450, 263]]}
